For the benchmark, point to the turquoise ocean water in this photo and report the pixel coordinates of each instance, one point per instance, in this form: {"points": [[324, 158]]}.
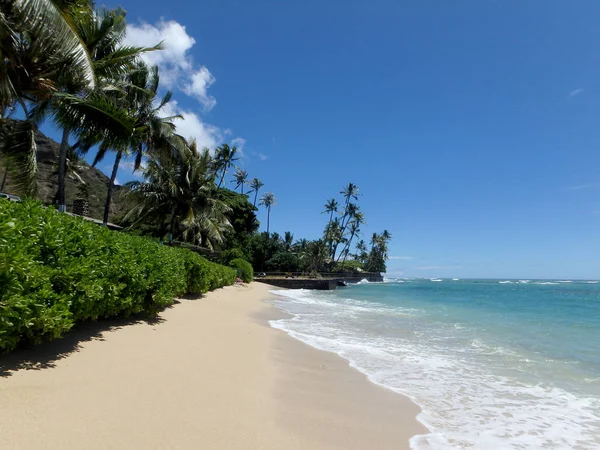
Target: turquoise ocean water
{"points": [[494, 364]]}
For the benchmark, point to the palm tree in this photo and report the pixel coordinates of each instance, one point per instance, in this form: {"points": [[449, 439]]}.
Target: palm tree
{"points": [[103, 33], [331, 206], [352, 209], [300, 245], [268, 199], [315, 256], [178, 195], [288, 240], [333, 235], [240, 176], [137, 100], [379, 252], [39, 43], [37, 39], [361, 251], [255, 185], [350, 191], [224, 159], [355, 223], [386, 237], [375, 239]]}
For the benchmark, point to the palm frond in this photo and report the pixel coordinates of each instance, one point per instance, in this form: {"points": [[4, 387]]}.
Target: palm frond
{"points": [[54, 28], [18, 148]]}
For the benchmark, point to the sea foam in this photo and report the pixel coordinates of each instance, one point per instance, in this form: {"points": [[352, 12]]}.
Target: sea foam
{"points": [[468, 398]]}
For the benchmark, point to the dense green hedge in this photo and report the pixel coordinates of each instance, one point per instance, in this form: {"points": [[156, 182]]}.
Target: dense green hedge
{"points": [[56, 270], [244, 269], [348, 266]]}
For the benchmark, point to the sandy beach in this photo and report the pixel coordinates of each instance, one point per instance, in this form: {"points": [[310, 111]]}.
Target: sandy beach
{"points": [[209, 374]]}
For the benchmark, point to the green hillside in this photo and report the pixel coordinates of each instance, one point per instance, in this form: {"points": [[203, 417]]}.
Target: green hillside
{"points": [[47, 182]]}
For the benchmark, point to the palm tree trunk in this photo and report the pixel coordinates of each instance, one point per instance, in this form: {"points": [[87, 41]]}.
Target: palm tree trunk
{"points": [[330, 245], [344, 252], [255, 195], [268, 219], [172, 226], [109, 191], [6, 169], [242, 189], [222, 178], [335, 247], [62, 168]]}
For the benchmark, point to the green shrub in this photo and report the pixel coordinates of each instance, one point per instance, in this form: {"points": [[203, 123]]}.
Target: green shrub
{"points": [[228, 255], [243, 268], [56, 270], [284, 261], [348, 266]]}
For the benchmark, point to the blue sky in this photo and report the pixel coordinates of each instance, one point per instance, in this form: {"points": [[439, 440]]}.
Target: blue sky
{"points": [[471, 127]]}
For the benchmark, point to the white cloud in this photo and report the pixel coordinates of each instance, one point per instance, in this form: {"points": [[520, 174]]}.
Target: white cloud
{"points": [[401, 257], [193, 127], [178, 71], [239, 143], [261, 156], [576, 92], [580, 187], [198, 85], [437, 267], [129, 166], [177, 67], [126, 165]]}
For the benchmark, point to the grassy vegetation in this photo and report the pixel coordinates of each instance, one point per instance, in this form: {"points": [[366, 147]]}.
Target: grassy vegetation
{"points": [[57, 270]]}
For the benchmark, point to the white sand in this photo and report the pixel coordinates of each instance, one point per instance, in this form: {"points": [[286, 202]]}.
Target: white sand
{"points": [[210, 375]]}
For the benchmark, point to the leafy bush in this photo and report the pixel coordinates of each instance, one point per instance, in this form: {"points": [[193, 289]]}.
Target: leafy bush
{"points": [[244, 269], [348, 266], [229, 255], [284, 262], [56, 270]]}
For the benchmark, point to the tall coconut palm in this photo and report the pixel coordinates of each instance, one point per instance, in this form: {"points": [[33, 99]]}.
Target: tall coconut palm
{"points": [[331, 207], [350, 191], [239, 178], [355, 224], [178, 196], [268, 200], [379, 252], [37, 39], [386, 237], [352, 209], [333, 236], [255, 185], [138, 101], [224, 159], [361, 251], [288, 240], [103, 33], [39, 44]]}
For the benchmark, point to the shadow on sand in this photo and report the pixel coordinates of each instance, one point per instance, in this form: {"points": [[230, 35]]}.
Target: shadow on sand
{"points": [[45, 355]]}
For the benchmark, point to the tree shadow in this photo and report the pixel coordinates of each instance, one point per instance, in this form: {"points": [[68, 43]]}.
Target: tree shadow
{"points": [[190, 297], [46, 354]]}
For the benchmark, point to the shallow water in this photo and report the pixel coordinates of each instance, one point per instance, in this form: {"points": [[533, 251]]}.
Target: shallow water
{"points": [[494, 364]]}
